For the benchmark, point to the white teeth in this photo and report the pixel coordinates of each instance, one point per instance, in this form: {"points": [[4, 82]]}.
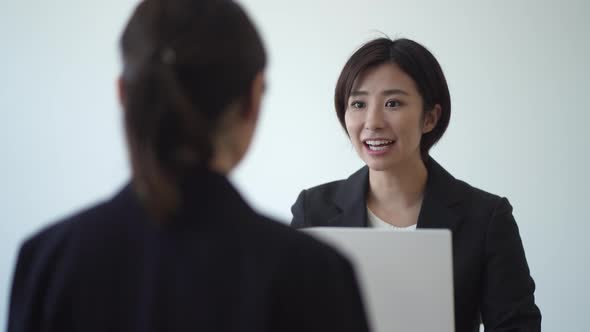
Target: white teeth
{"points": [[378, 142], [377, 148]]}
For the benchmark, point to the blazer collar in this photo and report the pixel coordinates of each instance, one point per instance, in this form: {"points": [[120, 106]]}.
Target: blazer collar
{"points": [[440, 195], [208, 199], [351, 198]]}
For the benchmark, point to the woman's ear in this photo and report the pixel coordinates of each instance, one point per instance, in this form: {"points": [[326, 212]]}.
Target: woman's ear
{"points": [[254, 99], [431, 119], [121, 93]]}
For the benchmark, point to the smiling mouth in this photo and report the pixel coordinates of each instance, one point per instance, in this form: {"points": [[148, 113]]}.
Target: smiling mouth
{"points": [[378, 144]]}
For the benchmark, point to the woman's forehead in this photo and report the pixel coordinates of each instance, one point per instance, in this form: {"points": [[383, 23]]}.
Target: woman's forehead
{"points": [[383, 78]]}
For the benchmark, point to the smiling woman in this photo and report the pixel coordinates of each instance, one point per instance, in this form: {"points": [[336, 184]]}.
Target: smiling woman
{"points": [[393, 101]]}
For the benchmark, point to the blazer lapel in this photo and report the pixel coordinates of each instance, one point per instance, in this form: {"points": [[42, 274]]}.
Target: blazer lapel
{"points": [[440, 195], [351, 200]]}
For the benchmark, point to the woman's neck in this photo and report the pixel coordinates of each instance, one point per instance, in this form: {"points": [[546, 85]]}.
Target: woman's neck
{"points": [[398, 187]]}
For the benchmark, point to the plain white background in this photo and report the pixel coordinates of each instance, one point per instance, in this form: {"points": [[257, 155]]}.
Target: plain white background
{"points": [[518, 73]]}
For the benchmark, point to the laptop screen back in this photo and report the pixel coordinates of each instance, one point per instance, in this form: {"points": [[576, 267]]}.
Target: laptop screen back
{"points": [[406, 277]]}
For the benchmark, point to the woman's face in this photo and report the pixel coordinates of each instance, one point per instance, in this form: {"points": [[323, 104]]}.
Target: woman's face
{"points": [[384, 117]]}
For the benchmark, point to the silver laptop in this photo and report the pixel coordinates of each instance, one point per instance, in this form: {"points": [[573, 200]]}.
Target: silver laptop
{"points": [[406, 278]]}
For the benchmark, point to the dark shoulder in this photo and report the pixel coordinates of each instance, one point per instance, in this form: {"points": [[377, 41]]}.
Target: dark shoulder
{"points": [[478, 203], [94, 225], [323, 192], [61, 230], [316, 205], [355, 181], [56, 246], [281, 239], [476, 194]]}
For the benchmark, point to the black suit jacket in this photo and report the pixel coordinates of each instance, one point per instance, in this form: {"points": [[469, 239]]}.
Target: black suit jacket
{"points": [[218, 266], [491, 275]]}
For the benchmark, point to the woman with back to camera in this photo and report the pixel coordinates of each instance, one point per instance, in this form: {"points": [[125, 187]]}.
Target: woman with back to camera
{"points": [[178, 249], [393, 101]]}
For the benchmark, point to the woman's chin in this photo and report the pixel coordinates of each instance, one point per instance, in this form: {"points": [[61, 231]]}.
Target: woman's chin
{"points": [[380, 165]]}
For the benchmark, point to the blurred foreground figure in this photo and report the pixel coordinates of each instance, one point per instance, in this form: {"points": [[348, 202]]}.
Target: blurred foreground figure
{"points": [[178, 249]]}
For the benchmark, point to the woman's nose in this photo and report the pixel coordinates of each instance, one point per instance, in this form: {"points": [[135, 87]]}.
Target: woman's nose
{"points": [[374, 119]]}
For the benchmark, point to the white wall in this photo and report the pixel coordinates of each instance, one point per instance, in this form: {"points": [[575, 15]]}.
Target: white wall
{"points": [[518, 73]]}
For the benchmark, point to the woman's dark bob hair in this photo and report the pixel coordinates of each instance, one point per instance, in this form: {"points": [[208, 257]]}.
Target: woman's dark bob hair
{"points": [[417, 62]]}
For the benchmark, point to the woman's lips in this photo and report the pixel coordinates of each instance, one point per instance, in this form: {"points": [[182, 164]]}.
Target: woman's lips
{"points": [[378, 146]]}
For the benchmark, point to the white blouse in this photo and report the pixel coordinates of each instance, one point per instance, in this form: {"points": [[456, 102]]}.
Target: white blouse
{"points": [[376, 222]]}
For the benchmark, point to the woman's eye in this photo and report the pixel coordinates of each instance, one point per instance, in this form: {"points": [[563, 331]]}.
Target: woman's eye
{"points": [[357, 104], [393, 103]]}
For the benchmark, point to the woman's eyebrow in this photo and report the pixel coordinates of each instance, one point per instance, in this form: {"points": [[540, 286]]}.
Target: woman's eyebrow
{"points": [[387, 92], [394, 92]]}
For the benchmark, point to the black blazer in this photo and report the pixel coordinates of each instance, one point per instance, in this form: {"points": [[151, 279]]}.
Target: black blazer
{"points": [[491, 275], [218, 266]]}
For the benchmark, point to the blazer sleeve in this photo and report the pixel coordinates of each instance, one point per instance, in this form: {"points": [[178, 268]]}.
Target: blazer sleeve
{"points": [[319, 294], [23, 309], [508, 302], [38, 300], [298, 211]]}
